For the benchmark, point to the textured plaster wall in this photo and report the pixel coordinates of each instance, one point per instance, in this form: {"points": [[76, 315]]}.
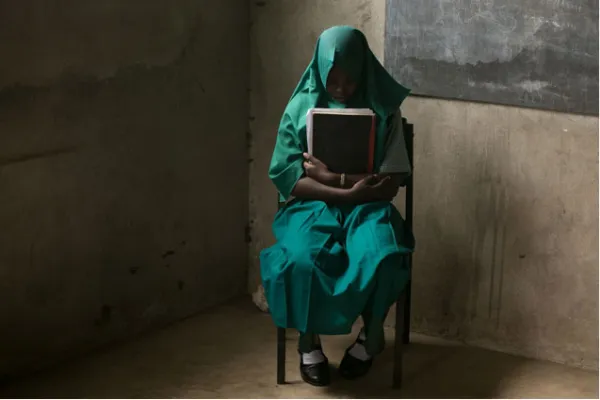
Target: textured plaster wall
{"points": [[116, 212], [506, 205]]}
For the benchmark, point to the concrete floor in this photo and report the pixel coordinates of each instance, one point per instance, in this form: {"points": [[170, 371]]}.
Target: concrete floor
{"points": [[230, 352]]}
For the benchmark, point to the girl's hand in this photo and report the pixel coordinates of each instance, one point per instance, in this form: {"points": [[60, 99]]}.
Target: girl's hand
{"points": [[316, 170], [373, 188]]}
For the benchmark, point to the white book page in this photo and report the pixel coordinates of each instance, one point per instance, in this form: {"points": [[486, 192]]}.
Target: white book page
{"points": [[342, 111]]}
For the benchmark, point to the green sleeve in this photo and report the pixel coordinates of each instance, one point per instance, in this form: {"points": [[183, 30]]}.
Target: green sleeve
{"points": [[286, 163]]}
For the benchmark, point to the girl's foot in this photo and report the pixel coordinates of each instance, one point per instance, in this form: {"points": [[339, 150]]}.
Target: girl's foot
{"points": [[314, 367], [356, 362]]}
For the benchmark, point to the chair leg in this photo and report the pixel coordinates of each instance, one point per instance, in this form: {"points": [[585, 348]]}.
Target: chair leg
{"points": [[280, 356], [406, 328], [399, 340]]}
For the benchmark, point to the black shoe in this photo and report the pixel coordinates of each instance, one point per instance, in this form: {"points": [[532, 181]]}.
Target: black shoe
{"points": [[315, 374], [353, 368]]}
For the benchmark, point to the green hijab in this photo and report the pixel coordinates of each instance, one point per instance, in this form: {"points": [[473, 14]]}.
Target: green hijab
{"points": [[347, 48]]}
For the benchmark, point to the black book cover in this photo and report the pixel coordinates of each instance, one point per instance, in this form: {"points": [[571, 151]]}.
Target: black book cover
{"points": [[344, 142]]}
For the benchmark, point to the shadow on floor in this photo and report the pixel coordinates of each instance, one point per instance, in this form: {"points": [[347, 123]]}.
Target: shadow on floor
{"points": [[432, 371], [229, 352]]}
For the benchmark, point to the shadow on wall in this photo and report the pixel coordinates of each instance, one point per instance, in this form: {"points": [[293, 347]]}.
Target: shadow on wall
{"points": [[99, 175], [473, 230]]}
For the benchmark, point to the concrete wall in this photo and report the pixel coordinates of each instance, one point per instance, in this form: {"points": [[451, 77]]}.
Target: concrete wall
{"points": [[506, 206], [117, 214]]}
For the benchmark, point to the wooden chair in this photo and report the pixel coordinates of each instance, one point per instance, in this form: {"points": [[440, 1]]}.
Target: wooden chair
{"points": [[402, 327]]}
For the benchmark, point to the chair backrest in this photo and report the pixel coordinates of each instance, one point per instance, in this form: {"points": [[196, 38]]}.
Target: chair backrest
{"points": [[408, 131], [409, 134]]}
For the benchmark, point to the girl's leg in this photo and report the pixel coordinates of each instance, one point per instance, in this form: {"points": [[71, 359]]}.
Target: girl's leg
{"points": [[376, 245], [373, 334], [371, 339], [308, 342], [298, 273], [314, 367]]}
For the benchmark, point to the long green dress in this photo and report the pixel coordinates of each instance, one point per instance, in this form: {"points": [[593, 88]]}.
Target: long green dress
{"points": [[333, 263]]}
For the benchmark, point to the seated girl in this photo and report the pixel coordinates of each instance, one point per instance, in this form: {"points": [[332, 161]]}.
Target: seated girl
{"points": [[340, 242]]}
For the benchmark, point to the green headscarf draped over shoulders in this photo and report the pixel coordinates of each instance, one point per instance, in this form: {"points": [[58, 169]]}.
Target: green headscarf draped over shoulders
{"points": [[347, 48]]}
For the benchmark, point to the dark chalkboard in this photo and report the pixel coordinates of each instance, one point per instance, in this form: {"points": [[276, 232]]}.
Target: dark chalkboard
{"points": [[533, 53]]}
